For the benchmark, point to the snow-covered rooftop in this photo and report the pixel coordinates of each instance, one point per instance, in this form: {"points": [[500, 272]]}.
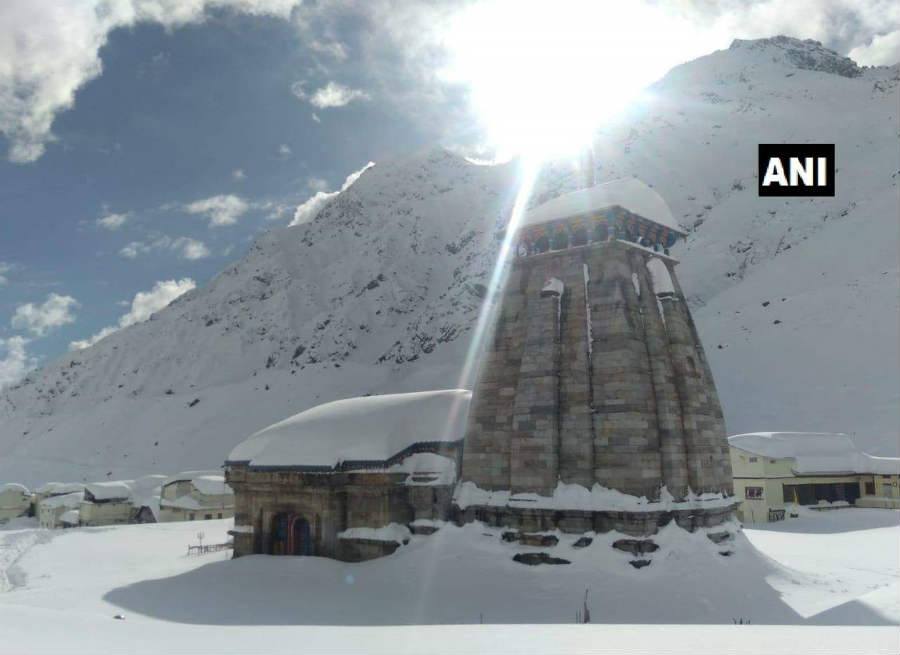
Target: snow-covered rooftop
{"points": [[212, 485], [70, 500], [57, 488], [192, 476], [815, 452], [370, 428], [13, 486], [629, 193], [113, 490]]}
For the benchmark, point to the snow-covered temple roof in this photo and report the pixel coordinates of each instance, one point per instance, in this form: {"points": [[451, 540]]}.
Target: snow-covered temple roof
{"points": [[628, 193], [815, 452], [366, 429]]}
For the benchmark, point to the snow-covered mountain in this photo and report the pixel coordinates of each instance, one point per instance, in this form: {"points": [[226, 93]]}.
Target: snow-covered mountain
{"points": [[796, 299]]}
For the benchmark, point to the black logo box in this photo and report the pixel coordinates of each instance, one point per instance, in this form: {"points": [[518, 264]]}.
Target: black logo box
{"points": [[784, 152]]}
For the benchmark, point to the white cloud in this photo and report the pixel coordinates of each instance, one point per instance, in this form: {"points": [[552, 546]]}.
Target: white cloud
{"points": [[317, 184], [186, 247], [4, 269], [191, 248], [49, 49], [884, 50], [15, 362], [336, 95], [334, 49], [40, 319], [309, 209], [238, 174], [284, 150], [144, 304], [113, 221], [221, 210]]}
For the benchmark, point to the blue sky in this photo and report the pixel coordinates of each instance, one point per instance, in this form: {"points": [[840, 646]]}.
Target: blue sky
{"points": [[145, 143]]}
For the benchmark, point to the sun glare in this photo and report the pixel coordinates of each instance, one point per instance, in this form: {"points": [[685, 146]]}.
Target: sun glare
{"points": [[543, 76]]}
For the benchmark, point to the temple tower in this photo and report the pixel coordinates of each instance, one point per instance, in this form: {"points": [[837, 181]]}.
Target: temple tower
{"points": [[594, 376]]}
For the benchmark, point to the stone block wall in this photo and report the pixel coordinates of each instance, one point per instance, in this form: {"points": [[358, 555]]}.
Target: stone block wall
{"points": [[625, 399]]}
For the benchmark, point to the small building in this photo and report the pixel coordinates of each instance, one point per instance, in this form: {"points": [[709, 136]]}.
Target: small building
{"points": [[106, 503], [50, 508], [15, 501], [349, 479], [145, 497], [195, 496], [773, 470]]}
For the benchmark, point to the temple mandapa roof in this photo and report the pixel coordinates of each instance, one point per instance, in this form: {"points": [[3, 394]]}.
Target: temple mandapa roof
{"points": [[815, 452], [369, 429], [628, 193]]}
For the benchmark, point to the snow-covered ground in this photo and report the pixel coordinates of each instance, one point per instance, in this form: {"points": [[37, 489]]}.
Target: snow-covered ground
{"points": [[63, 588]]}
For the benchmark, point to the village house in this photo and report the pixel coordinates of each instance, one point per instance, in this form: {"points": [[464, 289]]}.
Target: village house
{"points": [[775, 470], [55, 499], [349, 479], [15, 501], [106, 503], [196, 496]]}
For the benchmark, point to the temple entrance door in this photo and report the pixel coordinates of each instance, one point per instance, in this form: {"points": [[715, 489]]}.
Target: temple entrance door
{"points": [[301, 543], [291, 535]]}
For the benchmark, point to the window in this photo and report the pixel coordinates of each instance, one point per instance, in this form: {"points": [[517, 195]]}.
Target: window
{"points": [[870, 488], [191, 516], [220, 514], [207, 517], [754, 460], [753, 492]]}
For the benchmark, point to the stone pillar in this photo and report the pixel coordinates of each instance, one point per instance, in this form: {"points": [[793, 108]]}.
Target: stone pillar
{"points": [[534, 447], [673, 455], [626, 451], [709, 465], [486, 453], [576, 420]]}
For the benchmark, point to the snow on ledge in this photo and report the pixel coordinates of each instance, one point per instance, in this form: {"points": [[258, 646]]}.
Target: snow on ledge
{"points": [[241, 529], [575, 497], [393, 532]]}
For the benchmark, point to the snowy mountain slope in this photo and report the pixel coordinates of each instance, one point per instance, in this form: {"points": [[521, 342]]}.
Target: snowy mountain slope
{"points": [[379, 293], [390, 270], [831, 360]]}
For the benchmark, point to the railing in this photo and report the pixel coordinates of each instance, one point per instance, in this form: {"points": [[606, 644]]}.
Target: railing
{"points": [[776, 514], [209, 548]]}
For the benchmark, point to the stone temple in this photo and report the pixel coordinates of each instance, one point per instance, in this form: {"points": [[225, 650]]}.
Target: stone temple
{"points": [[594, 383], [594, 410]]}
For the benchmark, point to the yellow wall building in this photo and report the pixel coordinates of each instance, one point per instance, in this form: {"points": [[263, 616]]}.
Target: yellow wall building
{"points": [[774, 470]]}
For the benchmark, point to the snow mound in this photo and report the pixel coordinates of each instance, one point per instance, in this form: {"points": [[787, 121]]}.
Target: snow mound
{"points": [[815, 452], [393, 532], [371, 428], [630, 193]]}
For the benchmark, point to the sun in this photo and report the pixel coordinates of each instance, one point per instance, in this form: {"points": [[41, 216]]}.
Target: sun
{"points": [[542, 76]]}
